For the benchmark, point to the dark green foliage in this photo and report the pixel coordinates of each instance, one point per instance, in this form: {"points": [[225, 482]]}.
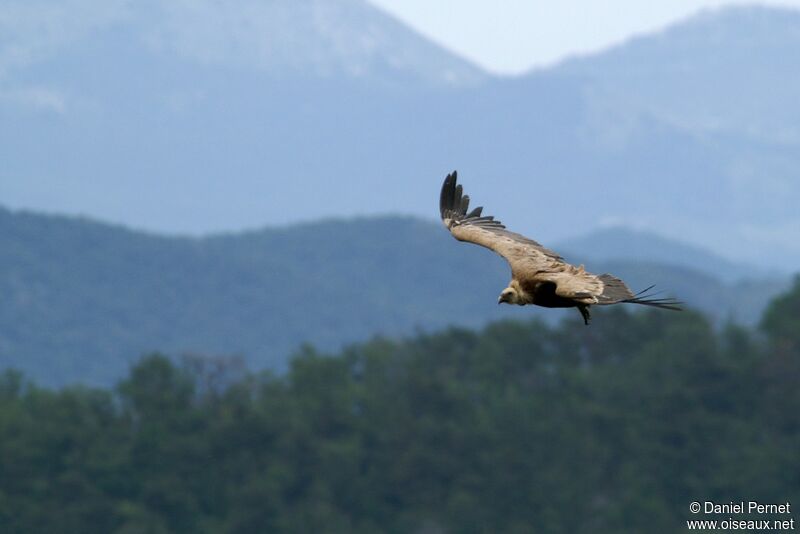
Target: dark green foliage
{"points": [[782, 318], [521, 427]]}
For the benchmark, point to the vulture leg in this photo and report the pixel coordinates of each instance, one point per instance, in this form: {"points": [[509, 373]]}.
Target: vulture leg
{"points": [[584, 309]]}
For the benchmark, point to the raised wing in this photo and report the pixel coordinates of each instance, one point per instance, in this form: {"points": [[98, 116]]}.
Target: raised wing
{"points": [[523, 254], [531, 263]]}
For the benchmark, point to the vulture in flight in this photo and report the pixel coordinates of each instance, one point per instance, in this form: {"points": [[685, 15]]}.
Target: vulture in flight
{"points": [[538, 275]]}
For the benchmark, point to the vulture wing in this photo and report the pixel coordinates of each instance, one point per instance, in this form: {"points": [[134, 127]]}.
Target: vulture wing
{"points": [[530, 262]]}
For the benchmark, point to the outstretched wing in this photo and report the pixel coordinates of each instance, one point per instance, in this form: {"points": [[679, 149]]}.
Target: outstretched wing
{"points": [[486, 231], [530, 262]]}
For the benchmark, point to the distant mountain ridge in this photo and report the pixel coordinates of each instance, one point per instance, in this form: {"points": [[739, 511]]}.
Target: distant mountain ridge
{"points": [[193, 118], [624, 244], [285, 38], [713, 72], [80, 300]]}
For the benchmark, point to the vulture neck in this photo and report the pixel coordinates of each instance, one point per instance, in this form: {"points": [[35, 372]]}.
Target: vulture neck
{"points": [[524, 296]]}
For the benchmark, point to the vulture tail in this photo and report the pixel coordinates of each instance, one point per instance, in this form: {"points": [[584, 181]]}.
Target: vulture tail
{"points": [[615, 291]]}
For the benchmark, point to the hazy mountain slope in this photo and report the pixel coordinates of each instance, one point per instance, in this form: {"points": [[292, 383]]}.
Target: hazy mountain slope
{"points": [[742, 301], [100, 118], [725, 70], [79, 300], [614, 244], [286, 38], [730, 78], [181, 117]]}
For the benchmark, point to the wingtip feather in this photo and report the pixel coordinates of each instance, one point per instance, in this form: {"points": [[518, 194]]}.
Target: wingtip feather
{"points": [[447, 195]]}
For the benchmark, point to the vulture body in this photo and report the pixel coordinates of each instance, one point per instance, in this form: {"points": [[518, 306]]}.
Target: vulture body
{"points": [[538, 275]]}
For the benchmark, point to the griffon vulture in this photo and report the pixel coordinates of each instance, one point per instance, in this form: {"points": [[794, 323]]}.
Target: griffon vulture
{"points": [[538, 275]]}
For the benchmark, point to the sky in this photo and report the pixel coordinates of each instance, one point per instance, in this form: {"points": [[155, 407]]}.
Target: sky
{"points": [[513, 36]]}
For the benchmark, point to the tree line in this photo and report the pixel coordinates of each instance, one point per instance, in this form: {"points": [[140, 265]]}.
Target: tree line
{"points": [[519, 427]]}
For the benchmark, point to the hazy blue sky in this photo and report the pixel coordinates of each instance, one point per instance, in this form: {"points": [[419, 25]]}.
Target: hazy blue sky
{"points": [[521, 34]]}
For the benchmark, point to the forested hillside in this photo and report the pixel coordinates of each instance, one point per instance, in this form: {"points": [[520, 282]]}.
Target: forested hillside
{"points": [[520, 427], [80, 300]]}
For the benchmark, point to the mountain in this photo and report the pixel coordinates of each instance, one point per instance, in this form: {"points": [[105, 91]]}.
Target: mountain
{"points": [[80, 300], [619, 243], [203, 117], [713, 73], [283, 38], [727, 78]]}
